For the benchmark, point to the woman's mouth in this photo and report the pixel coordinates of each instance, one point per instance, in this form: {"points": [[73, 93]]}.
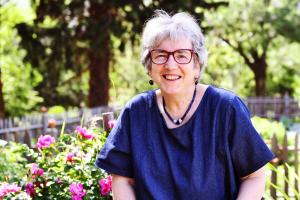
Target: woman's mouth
{"points": [[171, 77]]}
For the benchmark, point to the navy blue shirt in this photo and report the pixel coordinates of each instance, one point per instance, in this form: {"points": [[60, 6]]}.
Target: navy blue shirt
{"points": [[202, 159]]}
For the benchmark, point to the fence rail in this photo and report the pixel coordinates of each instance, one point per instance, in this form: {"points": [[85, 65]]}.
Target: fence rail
{"points": [[28, 128], [286, 179], [273, 107]]}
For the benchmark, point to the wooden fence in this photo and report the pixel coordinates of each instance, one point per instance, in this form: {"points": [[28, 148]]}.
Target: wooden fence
{"points": [[28, 128], [286, 155], [273, 107]]}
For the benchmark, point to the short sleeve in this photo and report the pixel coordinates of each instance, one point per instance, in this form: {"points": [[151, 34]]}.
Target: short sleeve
{"points": [[115, 156], [248, 150]]}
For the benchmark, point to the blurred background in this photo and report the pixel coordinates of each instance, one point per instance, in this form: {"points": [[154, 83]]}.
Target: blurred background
{"points": [[86, 52]]}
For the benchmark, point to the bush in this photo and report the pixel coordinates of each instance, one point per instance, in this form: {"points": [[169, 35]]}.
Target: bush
{"points": [[64, 169]]}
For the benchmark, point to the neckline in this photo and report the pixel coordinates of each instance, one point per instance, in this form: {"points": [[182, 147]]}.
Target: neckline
{"points": [[204, 98], [179, 120]]}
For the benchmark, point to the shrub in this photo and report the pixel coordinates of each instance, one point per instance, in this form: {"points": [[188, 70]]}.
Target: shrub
{"points": [[64, 169]]}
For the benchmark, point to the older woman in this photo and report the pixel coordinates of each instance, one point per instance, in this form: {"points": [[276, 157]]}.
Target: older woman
{"points": [[184, 140]]}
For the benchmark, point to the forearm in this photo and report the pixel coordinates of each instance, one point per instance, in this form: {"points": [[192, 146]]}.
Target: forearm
{"points": [[252, 187], [122, 188]]}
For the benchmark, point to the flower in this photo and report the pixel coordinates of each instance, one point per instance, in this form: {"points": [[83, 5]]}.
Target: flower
{"points": [[77, 191], [111, 123], [8, 188], [29, 188], [45, 141], [85, 133], [69, 157], [58, 181], [36, 171], [105, 185]]}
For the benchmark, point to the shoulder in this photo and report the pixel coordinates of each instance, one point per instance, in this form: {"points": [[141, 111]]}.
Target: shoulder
{"points": [[141, 101], [221, 95], [227, 99]]}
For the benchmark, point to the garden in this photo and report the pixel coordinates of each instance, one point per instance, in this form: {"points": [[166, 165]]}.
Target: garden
{"points": [[55, 169]]}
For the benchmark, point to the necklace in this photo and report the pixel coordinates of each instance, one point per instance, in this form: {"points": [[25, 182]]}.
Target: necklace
{"points": [[179, 120]]}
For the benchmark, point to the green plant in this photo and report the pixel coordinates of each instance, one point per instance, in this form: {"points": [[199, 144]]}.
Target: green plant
{"points": [[64, 169], [281, 176], [267, 128]]}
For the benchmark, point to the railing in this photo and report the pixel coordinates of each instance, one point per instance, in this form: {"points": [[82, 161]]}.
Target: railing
{"points": [[28, 128], [273, 107], [286, 179]]}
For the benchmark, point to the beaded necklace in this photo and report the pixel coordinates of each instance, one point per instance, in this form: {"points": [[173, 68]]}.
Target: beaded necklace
{"points": [[179, 120]]}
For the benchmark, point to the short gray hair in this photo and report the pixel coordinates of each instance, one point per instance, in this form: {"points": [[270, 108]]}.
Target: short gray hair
{"points": [[163, 26]]}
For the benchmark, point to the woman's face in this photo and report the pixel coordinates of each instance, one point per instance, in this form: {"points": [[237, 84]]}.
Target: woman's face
{"points": [[171, 77]]}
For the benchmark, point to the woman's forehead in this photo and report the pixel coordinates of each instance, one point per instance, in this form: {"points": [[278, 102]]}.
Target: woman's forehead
{"points": [[171, 45]]}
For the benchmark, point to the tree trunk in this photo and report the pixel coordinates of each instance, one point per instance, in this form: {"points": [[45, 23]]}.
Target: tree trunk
{"points": [[99, 72], [259, 68], [2, 109]]}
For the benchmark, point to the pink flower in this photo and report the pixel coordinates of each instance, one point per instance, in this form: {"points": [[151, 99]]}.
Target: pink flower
{"points": [[70, 157], [105, 185], [36, 171], [111, 123], [58, 181], [45, 141], [85, 133], [8, 188], [29, 188], [77, 191]]}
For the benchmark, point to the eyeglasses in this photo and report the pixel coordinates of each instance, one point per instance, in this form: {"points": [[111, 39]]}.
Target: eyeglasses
{"points": [[181, 56]]}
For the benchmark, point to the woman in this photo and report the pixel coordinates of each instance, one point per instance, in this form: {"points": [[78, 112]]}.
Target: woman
{"points": [[184, 140]]}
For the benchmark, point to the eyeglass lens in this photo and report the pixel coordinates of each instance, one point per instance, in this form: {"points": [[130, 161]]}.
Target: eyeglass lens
{"points": [[181, 56]]}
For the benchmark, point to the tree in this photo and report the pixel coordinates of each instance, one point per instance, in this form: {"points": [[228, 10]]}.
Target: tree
{"points": [[249, 28], [17, 78], [76, 35], [2, 109]]}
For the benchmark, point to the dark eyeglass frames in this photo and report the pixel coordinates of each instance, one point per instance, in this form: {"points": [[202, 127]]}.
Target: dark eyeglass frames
{"points": [[181, 56]]}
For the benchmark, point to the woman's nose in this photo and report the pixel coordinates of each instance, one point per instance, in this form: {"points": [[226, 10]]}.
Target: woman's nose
{"points": [[171, 63]]}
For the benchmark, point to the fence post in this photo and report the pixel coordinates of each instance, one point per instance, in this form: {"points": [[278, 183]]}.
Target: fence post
{"points": [[27, 139], [44, 120], [106, 118], [285, 160], [81, 112], [286, 104], [296, 164], [275, 150]]}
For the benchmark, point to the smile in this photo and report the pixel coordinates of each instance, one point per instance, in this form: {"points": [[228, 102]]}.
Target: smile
{"points": [[171, 77]]}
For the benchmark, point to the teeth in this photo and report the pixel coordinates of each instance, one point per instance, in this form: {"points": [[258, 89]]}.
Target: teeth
{"points": [[172, 77]]}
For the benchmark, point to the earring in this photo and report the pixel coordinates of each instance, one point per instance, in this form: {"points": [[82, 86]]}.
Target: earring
{"points": [[150, 82], [196, 81]]}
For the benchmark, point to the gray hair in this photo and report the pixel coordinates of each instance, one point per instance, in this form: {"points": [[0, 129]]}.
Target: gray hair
{"points": [[163, 26]]}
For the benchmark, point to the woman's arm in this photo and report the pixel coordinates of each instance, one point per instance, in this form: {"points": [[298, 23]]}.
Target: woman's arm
{"points": [[252, 186], [122, 188]]}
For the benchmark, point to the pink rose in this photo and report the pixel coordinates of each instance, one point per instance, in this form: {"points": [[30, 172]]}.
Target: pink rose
{"points": [[45, 141], [36, 171], [70, 157], [77, 191], [29, 188], [8, 188], [111, 123], [105, 185], [85, 133]]}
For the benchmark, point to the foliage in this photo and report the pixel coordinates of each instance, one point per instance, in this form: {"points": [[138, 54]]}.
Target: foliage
{"points": [[13, 161], [267, 128], [127, 69], [18, 77], [65, 168], [282, 179], [251, 29]]}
